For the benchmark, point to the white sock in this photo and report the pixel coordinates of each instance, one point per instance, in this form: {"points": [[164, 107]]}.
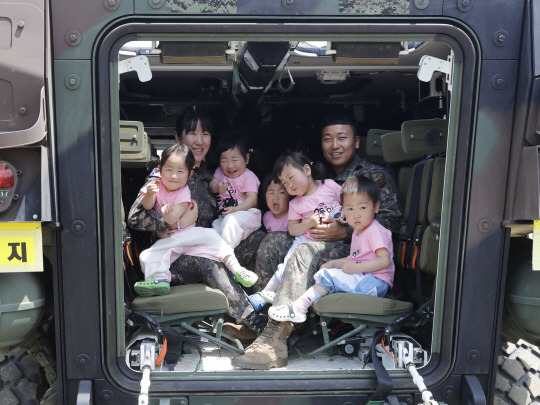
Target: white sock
{"points": [[232, 264], [272, 285], [306, 300]]}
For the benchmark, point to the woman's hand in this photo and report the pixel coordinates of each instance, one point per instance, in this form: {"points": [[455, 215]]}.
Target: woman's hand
{"points": [[328, 231]]}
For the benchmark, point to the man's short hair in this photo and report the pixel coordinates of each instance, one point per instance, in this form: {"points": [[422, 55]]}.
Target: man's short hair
{"points": [[339, 119]]}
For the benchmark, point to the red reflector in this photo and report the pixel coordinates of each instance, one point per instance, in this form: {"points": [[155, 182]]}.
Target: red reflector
{"points": [[7, 177]]}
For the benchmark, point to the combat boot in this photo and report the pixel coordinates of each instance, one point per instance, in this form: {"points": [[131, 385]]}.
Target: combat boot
{"points": [[242, 332], [268, 350]]}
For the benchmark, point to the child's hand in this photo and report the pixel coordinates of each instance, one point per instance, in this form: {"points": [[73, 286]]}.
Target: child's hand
{"points": [[313, 220], [222, 187], [348, 267], [228, 210], [330, 265], [166, 209], [152, 188]]}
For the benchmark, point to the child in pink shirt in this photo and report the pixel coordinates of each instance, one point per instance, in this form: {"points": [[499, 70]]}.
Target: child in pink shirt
{"points": [[277, 201], [314, 201], [237, 189], [171, 197], [369, 269]]}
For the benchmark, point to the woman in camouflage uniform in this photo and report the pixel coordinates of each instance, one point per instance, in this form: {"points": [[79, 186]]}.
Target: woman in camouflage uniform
{"points": [[339, 144], [195, 130]]}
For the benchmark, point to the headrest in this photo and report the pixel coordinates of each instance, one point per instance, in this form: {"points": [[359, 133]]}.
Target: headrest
{"points": [[373, 142], [424, 136], [392, 149]]}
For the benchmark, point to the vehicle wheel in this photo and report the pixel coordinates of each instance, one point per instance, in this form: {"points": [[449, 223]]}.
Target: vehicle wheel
{"points": [[22, 381], [518, 376]]}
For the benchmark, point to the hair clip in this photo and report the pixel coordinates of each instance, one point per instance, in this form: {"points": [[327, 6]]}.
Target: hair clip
{"points": [[250, 150]]}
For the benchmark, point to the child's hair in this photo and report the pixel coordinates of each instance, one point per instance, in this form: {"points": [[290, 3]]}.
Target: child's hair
{"points": [[357, 183], [188, 120], [263, 187], [231, 142], [179, 149], [298, 160]]}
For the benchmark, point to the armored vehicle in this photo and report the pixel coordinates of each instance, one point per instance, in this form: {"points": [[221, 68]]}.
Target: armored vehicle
{"points": [[445, 95]]}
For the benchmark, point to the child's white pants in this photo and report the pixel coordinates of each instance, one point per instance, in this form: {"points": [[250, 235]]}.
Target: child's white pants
{"points": [[196, 241], [236, 227]]}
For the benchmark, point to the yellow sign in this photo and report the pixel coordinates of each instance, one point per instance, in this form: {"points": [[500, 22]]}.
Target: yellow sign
{"points": [[21, 247]]}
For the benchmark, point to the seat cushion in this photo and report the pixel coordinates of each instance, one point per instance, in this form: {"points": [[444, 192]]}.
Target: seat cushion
{"points": [[183, 299], [344, 303]]}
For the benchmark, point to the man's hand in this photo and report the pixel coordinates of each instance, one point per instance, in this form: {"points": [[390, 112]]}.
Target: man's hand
{"points": [[328, 231]]}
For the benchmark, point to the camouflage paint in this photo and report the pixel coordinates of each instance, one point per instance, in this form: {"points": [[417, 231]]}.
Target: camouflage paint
{"points": [[374, 7], [201, 6]]}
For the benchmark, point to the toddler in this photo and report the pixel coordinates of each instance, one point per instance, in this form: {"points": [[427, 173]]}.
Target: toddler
{"points": [[314, 200], [237, 188], [369, 269], [171, 197], [277, 201]]}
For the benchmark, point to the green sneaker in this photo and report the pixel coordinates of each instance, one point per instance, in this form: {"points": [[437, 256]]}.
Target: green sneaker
{"points": [[152, 287], [246, 278]]}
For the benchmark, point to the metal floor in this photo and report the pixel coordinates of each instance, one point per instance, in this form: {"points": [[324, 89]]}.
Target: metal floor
{"points": [[217, 359]]}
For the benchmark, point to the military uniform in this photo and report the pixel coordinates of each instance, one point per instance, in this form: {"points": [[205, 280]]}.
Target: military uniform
{"points": [[191, 269]]}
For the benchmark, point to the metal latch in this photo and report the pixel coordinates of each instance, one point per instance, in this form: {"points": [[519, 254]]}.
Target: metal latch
{"points": [[139, 64]]}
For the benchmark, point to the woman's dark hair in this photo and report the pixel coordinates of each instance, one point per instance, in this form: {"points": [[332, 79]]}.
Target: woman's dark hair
{"points": [[187, 121], [357, 183], [231, 142], [179, 149], [339, 119], [298, 160]]}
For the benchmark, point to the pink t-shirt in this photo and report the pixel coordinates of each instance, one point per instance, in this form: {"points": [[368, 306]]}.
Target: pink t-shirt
{"points": [[247, 182], [179, 196], [364, 245], [324, 201], [273, 224]]}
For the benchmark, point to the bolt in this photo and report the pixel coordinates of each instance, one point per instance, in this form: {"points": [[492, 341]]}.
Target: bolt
{"points": [[156, 2], [20, 24], [73, 37], [500, 81], [465, 3], [112, 2], [72, 81], [23, 110], [501, 38], [35, 216]]}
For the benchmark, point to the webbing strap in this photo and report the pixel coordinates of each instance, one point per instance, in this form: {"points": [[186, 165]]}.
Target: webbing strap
{"points": [[418, 236], [405, 238], [384, 382]]}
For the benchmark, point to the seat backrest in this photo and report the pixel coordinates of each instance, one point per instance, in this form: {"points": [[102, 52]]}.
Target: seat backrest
{"points": [[135, 145], [428, 198]]}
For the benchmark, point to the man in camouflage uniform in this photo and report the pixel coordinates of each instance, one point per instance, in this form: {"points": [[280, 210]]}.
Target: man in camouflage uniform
{"points": [[339, 144]]}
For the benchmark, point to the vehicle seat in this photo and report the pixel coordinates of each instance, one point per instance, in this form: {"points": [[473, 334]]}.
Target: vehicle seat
{"points": [[366, 313], [135, 144]]}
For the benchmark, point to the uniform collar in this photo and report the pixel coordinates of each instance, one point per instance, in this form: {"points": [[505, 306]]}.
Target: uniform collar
{"points": [[351, 167]]}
